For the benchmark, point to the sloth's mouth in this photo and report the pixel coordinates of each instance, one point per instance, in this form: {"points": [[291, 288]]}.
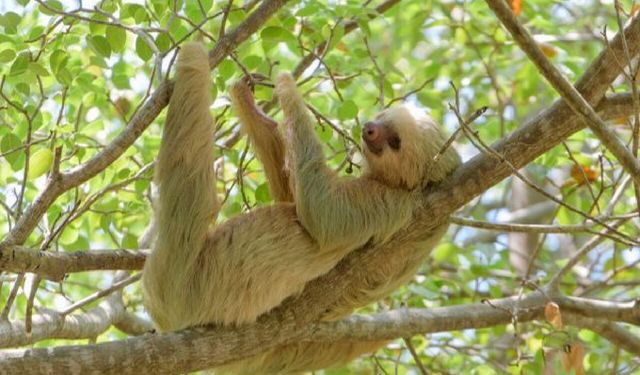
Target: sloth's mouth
{"points": [[374, 148]]}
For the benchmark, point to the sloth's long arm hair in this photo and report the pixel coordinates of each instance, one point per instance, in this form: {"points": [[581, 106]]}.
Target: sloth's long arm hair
{"points": [[187, 203]]}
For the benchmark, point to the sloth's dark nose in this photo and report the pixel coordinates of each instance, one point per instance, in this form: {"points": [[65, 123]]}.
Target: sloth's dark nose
{"points": [[372, 131]]}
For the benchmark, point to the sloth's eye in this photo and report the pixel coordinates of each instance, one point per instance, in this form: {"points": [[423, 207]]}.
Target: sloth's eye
{"points": [[394, 142]]}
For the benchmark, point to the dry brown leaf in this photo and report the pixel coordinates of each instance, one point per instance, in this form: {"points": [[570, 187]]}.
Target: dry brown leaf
{"points": [[552, 314], [587, 173], [572, 358]]}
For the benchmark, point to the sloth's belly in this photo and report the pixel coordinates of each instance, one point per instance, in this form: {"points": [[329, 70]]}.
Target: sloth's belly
{"points": [[259, 259]]}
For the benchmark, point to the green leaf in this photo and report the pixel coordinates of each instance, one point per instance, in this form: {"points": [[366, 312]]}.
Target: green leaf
{"points": [[117, 38], [20, 65], [10, 21], [121, 81], [23, 88], [129, 241], [141, 14], [445, 252], [105, 222], [232, 209], [479, 270], [252, 62], [64, 77], [142, 49], [460, 36], [159, 6], [141, 186], [55, 5], [100, 44], [135, 11], [36, 32], [69, 235], [276, 34], [38, 69], [206, 5], [308, 10], [10, 142], [163, 41], [124, 173], [58, 60], [226, 69], [262, 193], [53, 213], [324, 133], [109, 6], [7, 55], [39, 163], [347, 110], [80, 244]]}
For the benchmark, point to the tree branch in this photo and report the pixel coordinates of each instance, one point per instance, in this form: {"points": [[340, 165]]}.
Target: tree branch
{"points": [[569, 93], [146, 354], [54, 265], [51, 325]]}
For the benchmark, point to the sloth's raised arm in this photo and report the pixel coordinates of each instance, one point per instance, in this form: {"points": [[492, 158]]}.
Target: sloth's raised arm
{"points": [[266, 140], [337, 212]]}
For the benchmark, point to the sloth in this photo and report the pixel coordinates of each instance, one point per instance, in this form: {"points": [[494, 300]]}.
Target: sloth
{"points": [[231, 273]]}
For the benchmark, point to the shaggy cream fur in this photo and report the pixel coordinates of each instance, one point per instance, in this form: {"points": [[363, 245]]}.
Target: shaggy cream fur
{"points": [[240, 269]]}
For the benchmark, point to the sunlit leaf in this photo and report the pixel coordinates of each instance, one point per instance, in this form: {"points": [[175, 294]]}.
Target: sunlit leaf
{"points": [[7, 55], [40, 163], [142, 49], [117, 38]]}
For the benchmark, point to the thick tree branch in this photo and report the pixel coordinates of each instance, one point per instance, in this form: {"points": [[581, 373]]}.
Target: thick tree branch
{"points": [[569, 93], [627, 312], [54, 265], [50, 325], [60, 183], [149, 354]]}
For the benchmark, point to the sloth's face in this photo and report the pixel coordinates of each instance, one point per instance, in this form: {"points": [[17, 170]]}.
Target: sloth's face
{"points": [[399, 146]]}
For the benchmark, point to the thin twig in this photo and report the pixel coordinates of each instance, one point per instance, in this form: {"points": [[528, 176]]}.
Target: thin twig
{"points": [[569, 93], [99, 294]]}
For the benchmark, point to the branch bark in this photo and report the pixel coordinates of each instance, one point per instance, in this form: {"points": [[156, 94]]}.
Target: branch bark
{"points": [[51, 325], [201, 348], [55, 265]]}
